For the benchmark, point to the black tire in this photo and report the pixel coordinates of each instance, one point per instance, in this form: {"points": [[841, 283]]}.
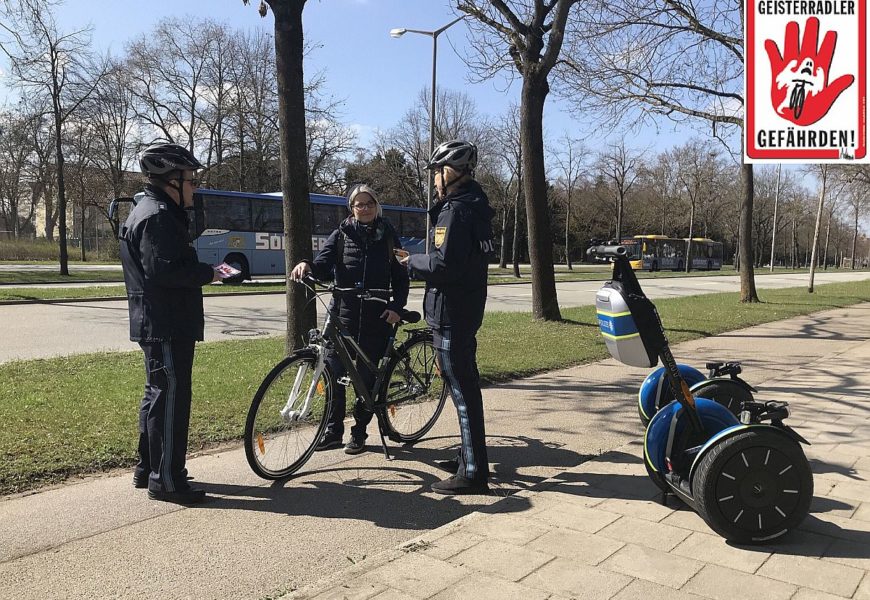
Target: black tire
{"points": [[415, 391], [726, 392], [239, 262], [275, 446], [754, 486]]}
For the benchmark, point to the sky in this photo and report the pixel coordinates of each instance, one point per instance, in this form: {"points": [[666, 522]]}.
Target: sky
{"points": [[378, 77]]}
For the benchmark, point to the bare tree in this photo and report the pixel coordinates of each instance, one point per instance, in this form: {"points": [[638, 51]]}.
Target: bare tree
{"points": [[508, 151], [53, 65], [621, 168], [456, 117], [570, 160], [527, 37], [822, 171], [289, 52], [641, 60], [16, 146], [696, 173]]}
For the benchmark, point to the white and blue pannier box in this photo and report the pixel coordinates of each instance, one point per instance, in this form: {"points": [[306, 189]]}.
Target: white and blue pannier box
{"points": [[619, 328]]}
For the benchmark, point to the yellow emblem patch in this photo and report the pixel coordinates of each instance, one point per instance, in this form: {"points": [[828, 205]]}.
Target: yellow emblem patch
{"points": [[440, 234]]}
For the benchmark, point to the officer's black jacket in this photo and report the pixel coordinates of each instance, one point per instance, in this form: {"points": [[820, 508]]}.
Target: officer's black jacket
{"points": [[455, 270], [367, 262], [162, 273]]}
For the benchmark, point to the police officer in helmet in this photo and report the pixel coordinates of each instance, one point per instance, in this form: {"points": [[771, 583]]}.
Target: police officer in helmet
{"points": [[164, 280], [455, 272]]}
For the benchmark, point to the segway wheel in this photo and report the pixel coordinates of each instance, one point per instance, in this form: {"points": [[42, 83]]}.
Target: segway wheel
{"points": [[726, 392], [754, 486]]}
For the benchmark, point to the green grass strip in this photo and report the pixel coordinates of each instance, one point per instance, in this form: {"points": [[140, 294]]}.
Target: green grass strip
{"points": [[75, 415]]}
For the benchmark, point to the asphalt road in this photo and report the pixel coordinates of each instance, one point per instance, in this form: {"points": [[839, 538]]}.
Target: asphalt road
{"points": [[45, 330]]}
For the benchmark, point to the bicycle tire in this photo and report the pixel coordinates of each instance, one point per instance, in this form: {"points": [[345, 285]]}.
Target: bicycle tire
{"points": [[275, 446], [415, 393]]}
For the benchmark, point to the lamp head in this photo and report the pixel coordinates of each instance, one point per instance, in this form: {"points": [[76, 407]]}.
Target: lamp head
{"points": [[397, 33]]}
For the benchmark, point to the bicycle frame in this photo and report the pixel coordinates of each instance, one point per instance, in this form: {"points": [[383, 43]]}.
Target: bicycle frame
{"points": [[341, 339]]}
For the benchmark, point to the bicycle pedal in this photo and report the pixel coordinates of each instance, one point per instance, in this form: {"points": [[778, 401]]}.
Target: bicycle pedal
{"points": [[345, 381]]}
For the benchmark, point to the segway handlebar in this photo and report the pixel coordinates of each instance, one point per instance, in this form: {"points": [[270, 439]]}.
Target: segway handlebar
{"points": [[607, 251]]}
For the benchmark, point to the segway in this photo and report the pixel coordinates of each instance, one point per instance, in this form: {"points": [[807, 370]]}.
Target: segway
{"points": [[722, 384], [746, 476]]}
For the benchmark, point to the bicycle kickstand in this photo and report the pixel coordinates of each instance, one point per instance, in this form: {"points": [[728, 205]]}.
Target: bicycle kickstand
{"points": [[384, 444]]}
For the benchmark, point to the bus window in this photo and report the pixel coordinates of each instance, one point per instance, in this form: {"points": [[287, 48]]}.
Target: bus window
{"points": [[413, 224], [327, 218], [268, 215], [223, 212]]}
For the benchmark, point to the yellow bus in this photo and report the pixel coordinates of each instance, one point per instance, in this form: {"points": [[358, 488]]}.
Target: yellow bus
{"points": [[657, 252]]}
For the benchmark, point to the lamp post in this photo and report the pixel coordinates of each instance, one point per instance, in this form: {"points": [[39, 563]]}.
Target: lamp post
{"points": [[397, 33]]}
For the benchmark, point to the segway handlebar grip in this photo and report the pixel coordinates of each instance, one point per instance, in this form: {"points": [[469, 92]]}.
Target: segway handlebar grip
{"points": [[607, 251]]}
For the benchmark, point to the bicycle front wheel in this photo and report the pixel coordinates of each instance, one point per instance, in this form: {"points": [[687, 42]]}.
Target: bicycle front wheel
{"points": [[288, 416], [415, 391]]}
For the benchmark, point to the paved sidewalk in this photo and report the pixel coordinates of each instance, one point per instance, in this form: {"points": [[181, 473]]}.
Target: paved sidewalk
{"points": [[598, 531], [559, 525]]}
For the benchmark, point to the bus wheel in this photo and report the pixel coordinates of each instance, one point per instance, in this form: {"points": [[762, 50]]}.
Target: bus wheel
{"points": [[238, 261]]}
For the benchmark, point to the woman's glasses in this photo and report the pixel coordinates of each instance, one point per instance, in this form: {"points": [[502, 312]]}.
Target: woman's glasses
{"points": [[364, 205]]}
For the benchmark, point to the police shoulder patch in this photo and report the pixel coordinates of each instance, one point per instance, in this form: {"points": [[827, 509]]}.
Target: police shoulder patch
{"points": [[440, 234]]}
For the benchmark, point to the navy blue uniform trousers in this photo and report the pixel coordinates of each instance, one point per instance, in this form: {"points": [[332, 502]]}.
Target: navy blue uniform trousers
{"points": [[457, 354], [164, 414]]}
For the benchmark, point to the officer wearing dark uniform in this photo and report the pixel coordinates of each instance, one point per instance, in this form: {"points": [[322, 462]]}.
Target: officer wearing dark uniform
{"points": [[455, 271], [359, 254], [164, 279]]}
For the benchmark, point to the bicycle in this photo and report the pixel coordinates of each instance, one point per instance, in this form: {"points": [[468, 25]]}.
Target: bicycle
{"points": [[289, 412]]}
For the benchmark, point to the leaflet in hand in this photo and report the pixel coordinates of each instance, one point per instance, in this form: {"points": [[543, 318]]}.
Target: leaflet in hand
{"points": [[226, 271]]}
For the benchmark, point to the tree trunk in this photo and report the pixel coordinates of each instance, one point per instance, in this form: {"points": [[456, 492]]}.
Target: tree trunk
{"points": [[61, 193], [747, 271], [855, 238], [567, 221], [515, 249], [816, 231], [294, 162], [775, 207], [502, 257], [827, 239], [620, 202], [794, 244], [545, 304], [688, 264], [82, 231]]}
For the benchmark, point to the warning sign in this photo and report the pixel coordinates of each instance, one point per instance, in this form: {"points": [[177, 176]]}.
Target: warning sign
{"points": [[806, 81]]}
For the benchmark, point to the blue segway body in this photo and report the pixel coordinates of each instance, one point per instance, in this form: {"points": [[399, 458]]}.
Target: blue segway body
{"points": [[714, 417], [655, 391]]}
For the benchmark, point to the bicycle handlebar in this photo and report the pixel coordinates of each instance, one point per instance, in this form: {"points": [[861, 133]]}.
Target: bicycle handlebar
{"points": [[363, 294]]}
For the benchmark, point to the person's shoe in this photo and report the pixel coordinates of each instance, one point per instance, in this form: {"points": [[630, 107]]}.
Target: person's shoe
{"points": [[140, 480], [456, 485], [355, 446], [188, 496], [451, 466], [329, 441]]}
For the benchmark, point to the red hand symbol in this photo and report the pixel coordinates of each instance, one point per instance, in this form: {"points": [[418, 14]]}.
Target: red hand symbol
{"points": [[799, 88]]}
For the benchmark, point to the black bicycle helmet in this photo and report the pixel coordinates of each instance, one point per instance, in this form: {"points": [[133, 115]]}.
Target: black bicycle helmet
{"points": [[162, 158], [458, 154]]}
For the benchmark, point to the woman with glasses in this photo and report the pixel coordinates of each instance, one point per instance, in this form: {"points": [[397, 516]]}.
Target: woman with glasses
{"points": [[359, 254]]}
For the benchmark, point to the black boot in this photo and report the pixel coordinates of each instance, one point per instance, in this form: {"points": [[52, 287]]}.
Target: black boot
{"points": [[458, 484]]}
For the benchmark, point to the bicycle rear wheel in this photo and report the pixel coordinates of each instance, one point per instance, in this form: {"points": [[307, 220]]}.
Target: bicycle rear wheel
{"points": [[415, 391], [288, 416]]}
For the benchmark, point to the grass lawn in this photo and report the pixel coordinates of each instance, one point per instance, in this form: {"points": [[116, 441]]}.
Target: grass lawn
{"points": [[26, 276], [68, 416]]}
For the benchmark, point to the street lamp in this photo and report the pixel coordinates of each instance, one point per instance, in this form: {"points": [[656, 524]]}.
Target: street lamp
{"points": [[397, 33]]}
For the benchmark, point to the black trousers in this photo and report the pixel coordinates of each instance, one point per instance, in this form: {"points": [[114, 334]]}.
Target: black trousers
{"points": [[164, 414], [373, 341], [457, 354]]}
